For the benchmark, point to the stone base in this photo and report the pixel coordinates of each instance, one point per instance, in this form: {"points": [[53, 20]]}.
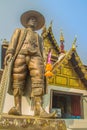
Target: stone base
{"points": [[11, 122]]}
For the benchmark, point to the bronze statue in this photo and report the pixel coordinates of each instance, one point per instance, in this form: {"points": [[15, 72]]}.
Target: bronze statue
{"points": [[26, 51]]}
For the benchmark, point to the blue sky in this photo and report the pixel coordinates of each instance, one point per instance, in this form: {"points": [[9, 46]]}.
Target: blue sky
{"points": [[68, 15]]}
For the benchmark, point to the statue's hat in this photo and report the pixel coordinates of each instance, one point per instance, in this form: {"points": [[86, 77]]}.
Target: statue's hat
{"points": [[32, 13]]}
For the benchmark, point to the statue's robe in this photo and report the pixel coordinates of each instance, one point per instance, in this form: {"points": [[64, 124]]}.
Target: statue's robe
{"points": [[14, 48]]}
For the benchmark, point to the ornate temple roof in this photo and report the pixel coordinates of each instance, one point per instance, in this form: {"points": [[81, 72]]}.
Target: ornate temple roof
{"points": [[73, 57], [63, 58], [48, 33]]}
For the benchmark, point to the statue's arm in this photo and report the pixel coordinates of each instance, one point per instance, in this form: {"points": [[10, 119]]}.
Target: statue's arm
{"points": [[12, 46], [13, 42]]}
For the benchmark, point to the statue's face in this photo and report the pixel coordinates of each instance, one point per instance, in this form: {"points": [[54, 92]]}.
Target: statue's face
{"points": [[32, 22]]}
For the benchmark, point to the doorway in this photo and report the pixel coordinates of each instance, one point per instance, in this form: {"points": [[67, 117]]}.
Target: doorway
{"points": [[67, 105]]}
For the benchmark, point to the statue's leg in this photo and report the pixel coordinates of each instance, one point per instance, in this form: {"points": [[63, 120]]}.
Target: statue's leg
{"points": [[36, 67], [40, 111], [16, 110], [19, 76]]}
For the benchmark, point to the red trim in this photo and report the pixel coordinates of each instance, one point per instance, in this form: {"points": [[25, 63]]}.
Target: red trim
{"points": [[75, 105]]}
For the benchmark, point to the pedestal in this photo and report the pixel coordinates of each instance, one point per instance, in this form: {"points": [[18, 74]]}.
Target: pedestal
{"points": [[10, 122]]}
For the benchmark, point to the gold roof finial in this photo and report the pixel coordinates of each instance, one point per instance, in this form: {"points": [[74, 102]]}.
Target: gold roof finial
{"points": [[74, 43], [51, 23], [61, 42], [43, 30], [61, 36], [5, 41]]}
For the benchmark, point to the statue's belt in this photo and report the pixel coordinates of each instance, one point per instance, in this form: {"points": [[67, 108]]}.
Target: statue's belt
{"points": [[28, 51]]}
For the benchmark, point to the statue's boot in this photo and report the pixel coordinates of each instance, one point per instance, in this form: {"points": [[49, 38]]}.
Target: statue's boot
{"points": [[39, 110], [17, 109]]}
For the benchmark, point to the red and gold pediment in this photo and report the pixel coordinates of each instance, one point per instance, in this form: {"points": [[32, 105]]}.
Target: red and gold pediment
{"points": [[69, 71]]}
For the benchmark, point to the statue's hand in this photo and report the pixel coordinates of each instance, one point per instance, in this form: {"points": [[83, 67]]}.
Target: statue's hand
{"points": [[8, 58]]}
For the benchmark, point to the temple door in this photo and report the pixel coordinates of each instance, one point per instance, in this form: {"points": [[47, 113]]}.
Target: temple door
{"points": [[75, 105]]}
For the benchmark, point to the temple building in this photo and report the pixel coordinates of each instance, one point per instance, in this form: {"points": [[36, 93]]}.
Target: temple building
{"points": [[67, 87], [66, 81]]}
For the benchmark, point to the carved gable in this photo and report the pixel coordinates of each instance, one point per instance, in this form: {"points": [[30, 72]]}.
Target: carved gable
{"points": [[66, 76]]}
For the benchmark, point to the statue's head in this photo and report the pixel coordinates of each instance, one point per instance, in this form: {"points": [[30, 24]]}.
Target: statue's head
{"points": [[32, 19], [32, 22]]}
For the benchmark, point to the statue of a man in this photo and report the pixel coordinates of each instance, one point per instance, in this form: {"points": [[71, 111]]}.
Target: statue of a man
{"points": [[26, 49]]}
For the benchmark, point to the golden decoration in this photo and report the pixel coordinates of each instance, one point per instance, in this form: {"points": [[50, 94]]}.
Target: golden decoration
{"points": [[16, 122], [74, 43], [61, 36]]}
